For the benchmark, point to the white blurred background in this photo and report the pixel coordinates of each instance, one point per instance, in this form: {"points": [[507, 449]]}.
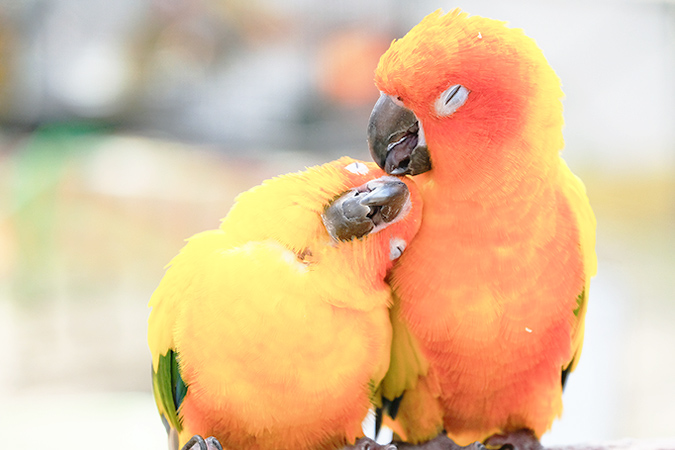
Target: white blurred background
{"points": [[127, 126]]}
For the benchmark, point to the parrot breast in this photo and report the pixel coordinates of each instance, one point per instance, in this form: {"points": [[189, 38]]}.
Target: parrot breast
{"points": [[490, 293]]}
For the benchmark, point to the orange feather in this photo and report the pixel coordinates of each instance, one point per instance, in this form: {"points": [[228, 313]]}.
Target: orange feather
{"points": [[490, 286]]}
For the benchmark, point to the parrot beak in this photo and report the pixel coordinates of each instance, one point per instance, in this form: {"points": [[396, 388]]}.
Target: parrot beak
{"points": [[396, 139], [366, 209]]}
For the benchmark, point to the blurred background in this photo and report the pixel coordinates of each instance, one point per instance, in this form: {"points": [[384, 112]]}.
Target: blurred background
{"points": [[127, 126]]}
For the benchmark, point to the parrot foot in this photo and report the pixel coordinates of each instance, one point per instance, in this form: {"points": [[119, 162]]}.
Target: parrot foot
{"points": [[197, 442], [516, 440], [441, 442], [369, 444]]}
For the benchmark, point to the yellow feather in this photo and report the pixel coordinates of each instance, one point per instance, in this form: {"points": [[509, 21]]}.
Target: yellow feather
{"points": [[575, 192], [282, 334]]}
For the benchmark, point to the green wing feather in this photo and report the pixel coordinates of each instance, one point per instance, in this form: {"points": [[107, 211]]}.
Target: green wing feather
{"points": [[575, 192], [169, 389]]}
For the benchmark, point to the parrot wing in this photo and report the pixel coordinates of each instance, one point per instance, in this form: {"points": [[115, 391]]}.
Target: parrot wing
{"points": [[406, 364], [169, 388], [575, 192]]}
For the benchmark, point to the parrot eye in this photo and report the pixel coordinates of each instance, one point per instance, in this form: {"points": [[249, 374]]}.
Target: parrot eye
{"points": [[398, 101], [451, 99]]}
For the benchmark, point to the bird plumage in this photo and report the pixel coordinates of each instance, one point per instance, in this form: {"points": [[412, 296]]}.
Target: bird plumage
{"points": [[279, 332], [492, 291]]}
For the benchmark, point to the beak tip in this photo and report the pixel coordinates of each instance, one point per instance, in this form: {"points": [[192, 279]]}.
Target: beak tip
{"points": [[397, 171]]}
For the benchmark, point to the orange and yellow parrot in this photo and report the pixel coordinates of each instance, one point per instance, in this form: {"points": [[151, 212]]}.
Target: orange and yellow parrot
{"points": [[491, 294], [273, 331]]}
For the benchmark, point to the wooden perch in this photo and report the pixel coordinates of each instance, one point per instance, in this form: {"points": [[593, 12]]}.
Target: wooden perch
{"points": [[443, 443], [624, 444]]}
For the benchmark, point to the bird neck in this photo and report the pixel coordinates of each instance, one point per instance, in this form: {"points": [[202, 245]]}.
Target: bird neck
{"points": [[364, 291], [492, 168], [495, 193]]}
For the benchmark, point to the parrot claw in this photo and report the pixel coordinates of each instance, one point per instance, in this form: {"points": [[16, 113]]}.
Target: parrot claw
{"points": [[515, 440], [441, 442], [197, 442], [369, 444], [475, 446]]}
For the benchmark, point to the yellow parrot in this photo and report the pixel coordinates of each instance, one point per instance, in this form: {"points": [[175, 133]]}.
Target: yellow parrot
{"points": [[491, 294], [273, 332]]}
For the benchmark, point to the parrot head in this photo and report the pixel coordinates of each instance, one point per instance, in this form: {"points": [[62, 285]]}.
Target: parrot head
{"points": [[346, 210], [456, 91]]}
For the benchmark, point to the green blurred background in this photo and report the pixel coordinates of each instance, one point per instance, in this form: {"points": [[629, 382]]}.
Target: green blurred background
{"points": [[127, 126]]}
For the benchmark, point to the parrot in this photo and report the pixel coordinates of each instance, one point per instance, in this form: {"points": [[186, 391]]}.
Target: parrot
{"points": [[491, 294], [272, 331]]}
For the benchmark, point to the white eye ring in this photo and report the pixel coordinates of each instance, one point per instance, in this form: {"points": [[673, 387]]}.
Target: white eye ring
{"points": [[451, 99], [397, 101]]}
